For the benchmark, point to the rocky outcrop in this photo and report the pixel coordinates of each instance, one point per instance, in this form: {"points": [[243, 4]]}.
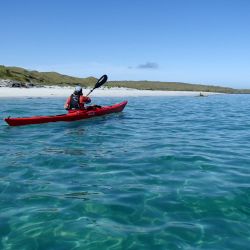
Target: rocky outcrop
{"points": [[15, 84]]}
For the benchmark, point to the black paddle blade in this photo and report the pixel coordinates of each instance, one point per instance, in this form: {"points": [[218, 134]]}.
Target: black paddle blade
{"points": [[101, 81]]}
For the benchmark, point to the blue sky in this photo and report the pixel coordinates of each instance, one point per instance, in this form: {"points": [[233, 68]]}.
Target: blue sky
{"points": [[195, 41]]}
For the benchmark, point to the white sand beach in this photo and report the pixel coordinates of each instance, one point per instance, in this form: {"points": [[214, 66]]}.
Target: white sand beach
{"points": [[55, 91]]}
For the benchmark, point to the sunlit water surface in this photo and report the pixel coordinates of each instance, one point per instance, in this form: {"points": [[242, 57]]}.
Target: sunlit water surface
{"points": [[166, 173]]}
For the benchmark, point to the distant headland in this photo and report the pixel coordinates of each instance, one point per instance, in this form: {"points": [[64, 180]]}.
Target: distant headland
{"points": [[20, 77]]}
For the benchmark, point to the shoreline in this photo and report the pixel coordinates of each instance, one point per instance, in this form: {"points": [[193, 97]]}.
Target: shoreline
{"points": [[55, 91]]}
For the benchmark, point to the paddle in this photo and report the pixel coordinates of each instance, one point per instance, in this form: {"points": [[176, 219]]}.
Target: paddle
{"points": [[99, 83]]}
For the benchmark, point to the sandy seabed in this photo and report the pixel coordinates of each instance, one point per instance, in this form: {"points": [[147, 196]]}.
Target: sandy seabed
{"points": [[55, 91]]}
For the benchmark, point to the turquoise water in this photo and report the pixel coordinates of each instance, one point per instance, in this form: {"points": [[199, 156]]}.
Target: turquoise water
{"points": [[166, 173]]}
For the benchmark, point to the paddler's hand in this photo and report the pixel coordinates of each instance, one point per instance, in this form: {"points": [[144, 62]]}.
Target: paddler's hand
{"points": [[66, 107], [88, 101]]}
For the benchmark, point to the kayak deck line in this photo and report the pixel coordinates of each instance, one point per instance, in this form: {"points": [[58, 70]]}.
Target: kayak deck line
{"points": [[70, 116]]}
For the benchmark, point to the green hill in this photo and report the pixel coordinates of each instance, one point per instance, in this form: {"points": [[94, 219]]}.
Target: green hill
{"points": [[54, 78], [44, 78]]}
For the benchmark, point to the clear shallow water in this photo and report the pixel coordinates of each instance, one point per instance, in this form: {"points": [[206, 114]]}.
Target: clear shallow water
{"points": [[167, 173]]}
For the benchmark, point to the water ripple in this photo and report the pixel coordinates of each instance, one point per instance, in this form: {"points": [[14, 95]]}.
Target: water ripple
{"points": [[167, 173]]}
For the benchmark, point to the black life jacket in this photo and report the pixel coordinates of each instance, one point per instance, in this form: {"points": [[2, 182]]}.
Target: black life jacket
{"points": [[74, 102]]}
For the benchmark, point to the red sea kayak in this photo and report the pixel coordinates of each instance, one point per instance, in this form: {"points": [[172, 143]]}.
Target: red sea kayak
{"points": [[69, 117]]}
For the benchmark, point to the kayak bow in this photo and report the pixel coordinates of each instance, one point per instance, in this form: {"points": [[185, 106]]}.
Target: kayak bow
{"points": [[71, 116]]}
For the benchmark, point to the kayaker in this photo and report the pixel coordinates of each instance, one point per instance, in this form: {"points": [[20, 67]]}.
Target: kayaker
{"points": [[77, 100]]}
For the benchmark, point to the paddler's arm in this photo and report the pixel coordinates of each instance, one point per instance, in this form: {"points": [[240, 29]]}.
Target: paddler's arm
{"points": [[83, 100], [67, 103]]}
